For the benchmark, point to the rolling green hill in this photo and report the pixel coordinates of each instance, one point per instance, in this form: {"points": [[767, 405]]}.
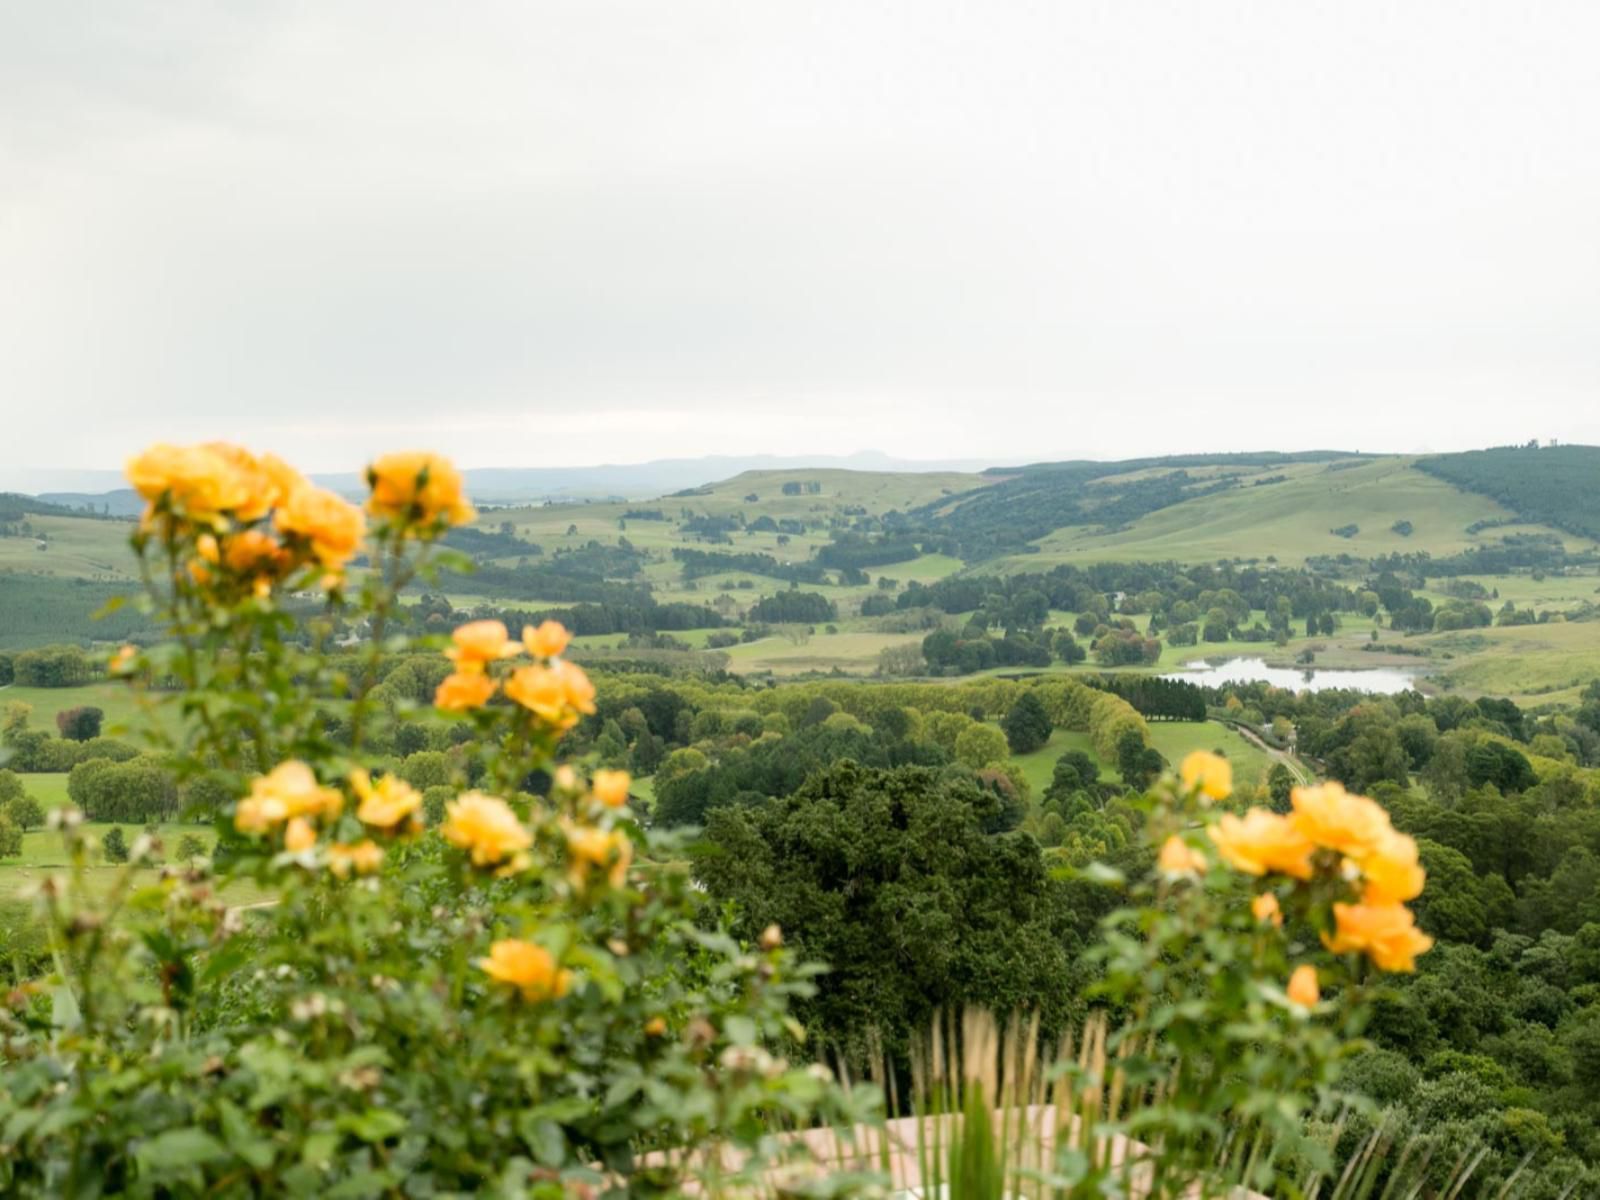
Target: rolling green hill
{"points": [[1293, 517]]}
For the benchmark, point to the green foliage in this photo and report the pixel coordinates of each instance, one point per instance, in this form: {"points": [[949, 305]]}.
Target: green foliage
{"points": [[1553, 485], [890, 877], [1027, 724], [113, 846]]}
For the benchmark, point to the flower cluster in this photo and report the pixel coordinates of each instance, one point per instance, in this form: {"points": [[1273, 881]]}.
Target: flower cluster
{"points": [[1332, 834], [555, 691], [291, 806], [251, 521], [419, 490]]}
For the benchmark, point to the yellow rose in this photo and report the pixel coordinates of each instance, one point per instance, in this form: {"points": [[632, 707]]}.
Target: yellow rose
{"points": [[1303, 986], [611, 787], [298, 835], [290, 790], [265, 481], [478, 643], [252, 552], [547, 641], [363, 858], [1210, 773], [1335, 820], [388, 803], [1385, 933], [1177, 857], [1265, 907], [417, 487], [555, 694], [194, 479], [590, 849], [529, 968], [1392, 871], [486, 827], [1262, 842], [330, 526], [459, 692]]}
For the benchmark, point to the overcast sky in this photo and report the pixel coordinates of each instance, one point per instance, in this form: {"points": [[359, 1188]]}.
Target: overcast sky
{"points": [[535, 233]]}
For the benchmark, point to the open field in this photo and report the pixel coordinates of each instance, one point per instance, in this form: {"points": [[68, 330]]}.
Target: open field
{"points": [[74, 547], [43, 856], [119, 702]]}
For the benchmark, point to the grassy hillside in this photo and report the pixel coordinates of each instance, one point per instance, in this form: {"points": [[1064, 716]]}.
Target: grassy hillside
{"points": [[1292, 519]]}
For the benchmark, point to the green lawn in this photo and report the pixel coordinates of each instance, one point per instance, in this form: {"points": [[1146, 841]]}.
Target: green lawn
{"points": [[43, 856], [119, 701], [1174, 739], [48, 788]]}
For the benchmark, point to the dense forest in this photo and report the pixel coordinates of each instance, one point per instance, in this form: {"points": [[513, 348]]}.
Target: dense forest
{"points": [[1550, 485]]}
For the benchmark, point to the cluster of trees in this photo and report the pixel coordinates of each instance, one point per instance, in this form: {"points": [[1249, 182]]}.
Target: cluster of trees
{"points": [[30, 750], [794, 608], [697, 564], [48, 666], [950, 653]]}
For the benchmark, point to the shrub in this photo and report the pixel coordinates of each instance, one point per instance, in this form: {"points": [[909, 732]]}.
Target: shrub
{"points": [[114, 847], [10, 837], [189, 849], [24, 811]]}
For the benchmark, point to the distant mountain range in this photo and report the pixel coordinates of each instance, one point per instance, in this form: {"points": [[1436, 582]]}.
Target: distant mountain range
{"points": [[508, 485]]}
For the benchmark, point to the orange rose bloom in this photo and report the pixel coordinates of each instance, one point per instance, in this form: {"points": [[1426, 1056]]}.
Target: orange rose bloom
{"points": [[478, 643], [1178, 858], [555, 694], [1385, 933], [331, 525], [299, 835], [417, 486], [486, 827], [195, 479], [1210, 773], [1392, 871], [265, 479], [547, 641], [460, 692], [252, 551], [1303, 986], [386, 804], [529, 968], [1262, 842], [291, 790], [611, 787], [1265, 907], [590, 849], [1336, 820], [363, 858]]}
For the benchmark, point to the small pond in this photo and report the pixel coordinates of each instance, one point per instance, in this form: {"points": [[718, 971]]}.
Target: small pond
{"points": [[1381, 680]]}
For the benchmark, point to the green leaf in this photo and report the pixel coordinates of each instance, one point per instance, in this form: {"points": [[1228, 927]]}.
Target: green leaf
{"points": [[374, 1125], [741, 1031], [545, 1139], [179, 1148], [243, 1138]]}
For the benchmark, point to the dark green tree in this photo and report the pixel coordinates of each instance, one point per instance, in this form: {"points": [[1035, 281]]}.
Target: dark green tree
{"points": [[888, 876], [1027, 725]]}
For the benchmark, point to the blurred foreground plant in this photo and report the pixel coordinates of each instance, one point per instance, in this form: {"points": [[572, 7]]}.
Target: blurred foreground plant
{"points": [[528, 1000]]}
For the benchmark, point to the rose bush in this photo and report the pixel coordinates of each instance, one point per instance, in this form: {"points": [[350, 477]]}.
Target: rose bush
{"points": [[530, 1000]]}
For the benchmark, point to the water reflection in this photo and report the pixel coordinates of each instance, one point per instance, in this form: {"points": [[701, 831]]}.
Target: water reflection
{"points": [[1381, 680]]}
